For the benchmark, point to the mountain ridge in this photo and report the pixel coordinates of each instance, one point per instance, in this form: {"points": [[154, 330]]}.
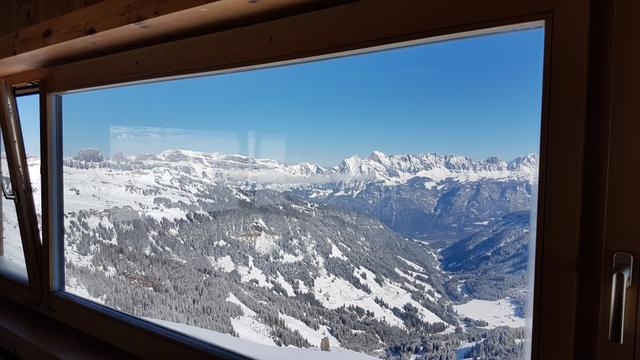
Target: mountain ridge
{"points": [[391, 169], [427, 197]]}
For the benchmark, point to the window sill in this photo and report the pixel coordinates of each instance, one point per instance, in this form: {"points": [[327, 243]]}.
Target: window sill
{"points": [[30, 335]]}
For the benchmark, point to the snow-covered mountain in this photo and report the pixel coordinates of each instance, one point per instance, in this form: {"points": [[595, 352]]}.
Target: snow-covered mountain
{"points": [[378, 167], [428, 197], [399, 169], [287, 255]]}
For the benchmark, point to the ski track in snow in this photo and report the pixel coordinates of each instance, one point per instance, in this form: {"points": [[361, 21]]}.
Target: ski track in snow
{"points": [[74, 287]]}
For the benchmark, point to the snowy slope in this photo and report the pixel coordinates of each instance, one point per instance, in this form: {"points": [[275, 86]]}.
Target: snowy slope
{"points": [[314, 337], [248, 326], [259, 351], [496, 313]]}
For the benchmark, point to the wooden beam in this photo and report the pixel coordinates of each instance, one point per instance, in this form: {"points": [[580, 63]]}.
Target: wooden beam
{"points": [[307, 35], [91, 20], [16, 15], [116, 25]]}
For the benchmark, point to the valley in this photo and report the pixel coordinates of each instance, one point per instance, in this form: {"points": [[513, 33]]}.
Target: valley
{"points": [[390, 256]]}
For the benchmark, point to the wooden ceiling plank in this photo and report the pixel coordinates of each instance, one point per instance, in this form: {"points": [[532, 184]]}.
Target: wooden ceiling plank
{"points": [[90, 20], [210, 17]]}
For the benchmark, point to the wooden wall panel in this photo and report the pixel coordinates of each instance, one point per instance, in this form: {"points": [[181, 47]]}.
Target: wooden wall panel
{"points": [[18, 14]]}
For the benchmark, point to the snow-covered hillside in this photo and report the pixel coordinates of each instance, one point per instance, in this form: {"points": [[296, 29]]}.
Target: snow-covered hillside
{"points": [[258, 351], [244, 250], [496, 313]]}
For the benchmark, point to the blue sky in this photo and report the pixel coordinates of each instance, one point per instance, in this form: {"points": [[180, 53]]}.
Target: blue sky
{"points": [[478, 97], [29, 110]]}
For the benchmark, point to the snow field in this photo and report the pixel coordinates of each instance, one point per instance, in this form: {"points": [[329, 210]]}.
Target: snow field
{"points": [[497, 313]]}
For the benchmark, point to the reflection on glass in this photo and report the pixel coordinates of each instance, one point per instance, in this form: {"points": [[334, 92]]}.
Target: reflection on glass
{"points": [[303, 212]]}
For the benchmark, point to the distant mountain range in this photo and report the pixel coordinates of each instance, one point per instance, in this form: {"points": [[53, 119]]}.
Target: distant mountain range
{"points": [[378, 167], [439, 198]]}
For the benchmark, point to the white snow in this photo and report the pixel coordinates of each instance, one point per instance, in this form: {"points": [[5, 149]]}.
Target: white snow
{"points": [[253, 273], [497, 313], [71, 255], [290, 258], [334, 292], [248, 326], [224, 263], [263, 239], [302, 287], [398, 169], [335, 251], [73, 286], [481, 222], [265, 243], [285, 285], [261, 351], [102, 188], [394, 295], [234, 300], [110, 271], [312, 336], [12, 262]]}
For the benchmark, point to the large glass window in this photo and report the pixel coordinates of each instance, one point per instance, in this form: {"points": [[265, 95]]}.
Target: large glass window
{"points": [[380, 205]]}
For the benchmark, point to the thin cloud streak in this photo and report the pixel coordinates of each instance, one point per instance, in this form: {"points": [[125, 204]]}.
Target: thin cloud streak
{"points": [[392, 72]]}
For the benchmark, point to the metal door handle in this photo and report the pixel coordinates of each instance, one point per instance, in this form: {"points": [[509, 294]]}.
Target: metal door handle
{"points": [[621, 280]]}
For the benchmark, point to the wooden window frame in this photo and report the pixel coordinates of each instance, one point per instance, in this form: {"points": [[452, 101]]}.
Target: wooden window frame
{"points": [[341, 29]]}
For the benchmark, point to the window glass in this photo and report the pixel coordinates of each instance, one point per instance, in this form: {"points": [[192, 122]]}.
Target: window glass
{"points": [[12, 261], [380, 205]]}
